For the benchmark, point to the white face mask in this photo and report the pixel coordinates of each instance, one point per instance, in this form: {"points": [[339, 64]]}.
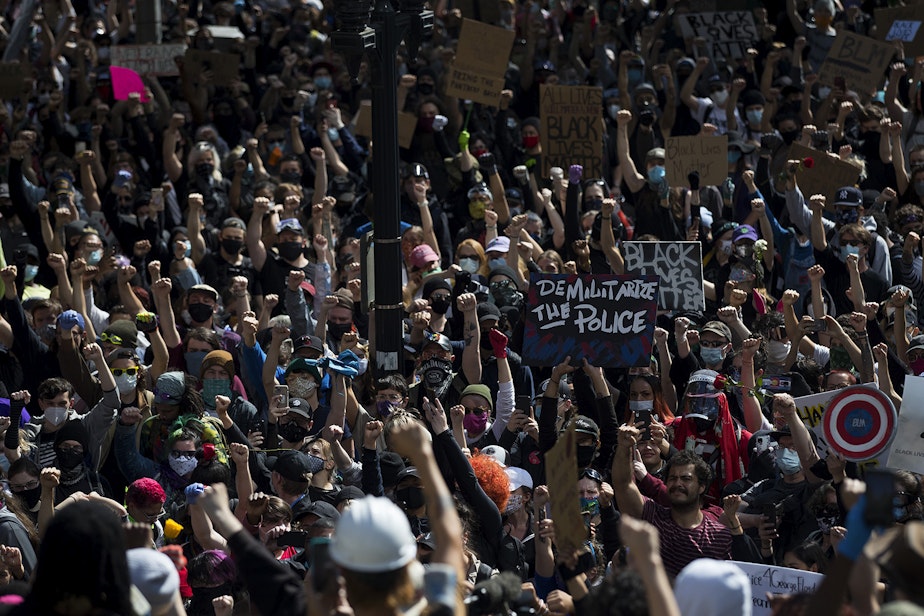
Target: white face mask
{"points": [[55, 415], [778, 351], [612, 110], [126, 383], [719, 98], [725, 247], [469, 265], [183, 466], [641, 405]]}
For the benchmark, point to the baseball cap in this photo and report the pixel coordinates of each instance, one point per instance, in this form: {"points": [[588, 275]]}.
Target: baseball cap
{"points": [[373, 536], [300, 407], [203, 288], [439, 339], [518, 478], [488, 312], [154, 575], [479, 189], [416, 170], [123, 333], [290, 224], [308, 342], [498, 244], [655, 154], [322, 509], [717, 327], [292, 465], [422, 256], [344, 298], [477, 389], [501, 455], [391, 465], [62, 185], [916, 343], [586, 425], [407, 471], [307, 365], [70, 318], [169, 388], [848, 196], [744, 232]]}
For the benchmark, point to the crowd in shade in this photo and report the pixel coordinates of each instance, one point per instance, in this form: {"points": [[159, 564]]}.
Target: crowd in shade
{"points": [[192, 414]]}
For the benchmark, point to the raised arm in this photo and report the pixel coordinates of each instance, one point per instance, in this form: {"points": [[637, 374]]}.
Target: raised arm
{"points": [[471, 355], [628, 497], [255, 247], [633, 178]]}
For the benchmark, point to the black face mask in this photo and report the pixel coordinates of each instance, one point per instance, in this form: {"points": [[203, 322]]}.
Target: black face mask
{"points": [[30, 498], [69, 460], [425, 88], [336, 330], [704, 425], [204, 170], [439, 305], [232, 246], [291, 177], [292, 432], [412, 497], [585, 455], [789, 136], [486, 342], [288, 101], [200, 313], [203, 596], [290, 251]]}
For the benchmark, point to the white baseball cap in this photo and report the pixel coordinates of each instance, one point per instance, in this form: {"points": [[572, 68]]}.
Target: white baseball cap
{"points": [[373, 536]]}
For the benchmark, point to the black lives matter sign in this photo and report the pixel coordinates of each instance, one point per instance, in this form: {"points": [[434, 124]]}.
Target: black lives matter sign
{"points": [[607, 319], [679, 267], [572, 128]]}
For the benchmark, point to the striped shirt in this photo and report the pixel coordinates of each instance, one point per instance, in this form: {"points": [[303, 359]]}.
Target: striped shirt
{"points": [[681, 546]]}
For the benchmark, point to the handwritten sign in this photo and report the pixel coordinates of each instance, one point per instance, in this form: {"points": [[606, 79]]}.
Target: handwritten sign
{"points": [[224, 66], [148, 59], [407, 122], [825, 177], [776, 581], [907, 451], [560, 470], [902, 23], [811, 410], [860, 60], [572, 128], [13, 76], [730, 33], [707, 155], [678, 266], [607, 319], [481, 62]]}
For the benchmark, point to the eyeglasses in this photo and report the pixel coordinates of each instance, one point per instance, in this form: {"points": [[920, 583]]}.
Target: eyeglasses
{"points": [[388, 398], [712, 344], [129, 371], [153, 517], [24, 486], [111, 338], [591, 473]]}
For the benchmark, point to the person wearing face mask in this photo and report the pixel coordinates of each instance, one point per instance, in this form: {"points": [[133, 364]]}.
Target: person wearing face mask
{"points": [[438, 294], [848, 262], [23, 478], [218, 268], [707, 429], [336, 318], [26, 257], [274, 266], [72, 449], [290, 477], [418, 198], [217, 378], [321, 459], [714, 109]]}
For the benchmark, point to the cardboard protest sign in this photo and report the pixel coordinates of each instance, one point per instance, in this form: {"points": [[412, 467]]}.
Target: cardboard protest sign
{"points": [[572, 128], [907, 451], [811, 410], [860, 60], [707, 155], [224, 66], [481, 62], [13, 76], [730, 33], [487, 11], [776, 581], [561, 474], [679, 267], [148, 59], [826, 175], [407, 122], [902, 23], [607, 319]]}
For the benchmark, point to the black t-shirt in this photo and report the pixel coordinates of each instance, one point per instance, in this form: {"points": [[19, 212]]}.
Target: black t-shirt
{"points": [[837, 280], [217, 272], [651, 218], [274, 273]]}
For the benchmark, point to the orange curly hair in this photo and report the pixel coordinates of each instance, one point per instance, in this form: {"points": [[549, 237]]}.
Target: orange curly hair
{"points": [[493, 479]]}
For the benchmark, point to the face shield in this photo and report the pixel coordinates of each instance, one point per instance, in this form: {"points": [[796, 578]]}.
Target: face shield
{"points": [[701, 398]]}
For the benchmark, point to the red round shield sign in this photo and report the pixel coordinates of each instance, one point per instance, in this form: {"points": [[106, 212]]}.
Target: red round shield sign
{"points": [[860, 422]]}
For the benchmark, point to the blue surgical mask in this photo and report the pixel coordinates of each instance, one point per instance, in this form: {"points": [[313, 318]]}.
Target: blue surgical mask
{"points": [[188, 245], [194, 361], [711, 356], [95, 257], [496, 263], [333, 134], [787, 460], [848, 250], [31, 272], [755, 116], [323, 82], [734, 156], [656, 174], [469, 264]]}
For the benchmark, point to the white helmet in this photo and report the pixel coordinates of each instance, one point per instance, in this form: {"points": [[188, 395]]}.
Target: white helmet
{"points": [[373, 536]]}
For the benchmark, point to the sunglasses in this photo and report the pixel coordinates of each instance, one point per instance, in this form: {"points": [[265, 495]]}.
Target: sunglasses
{"points": [[129, 371], [853, 242]]}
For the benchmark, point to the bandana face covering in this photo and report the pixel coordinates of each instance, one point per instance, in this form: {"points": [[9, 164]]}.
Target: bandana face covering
{"points": [[436, 375]]}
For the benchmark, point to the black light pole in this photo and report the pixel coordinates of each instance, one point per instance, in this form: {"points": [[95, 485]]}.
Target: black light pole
{"points": [[376, 33]]}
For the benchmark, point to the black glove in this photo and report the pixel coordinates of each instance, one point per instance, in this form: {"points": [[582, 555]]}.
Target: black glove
{"points": [[487, 164], [770, 143], [693, 178], [11, 439]]}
